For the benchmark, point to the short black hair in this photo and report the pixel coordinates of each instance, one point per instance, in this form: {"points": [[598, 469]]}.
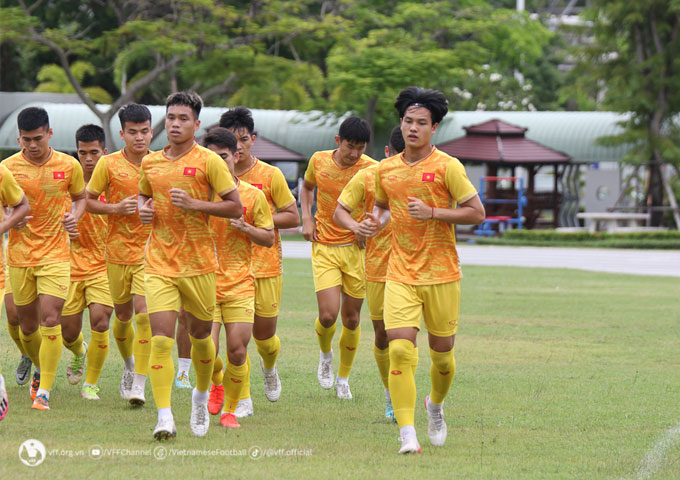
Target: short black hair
{"points": [[221, 137], [90, 133], [188, 99], [33, 118], [134, 113], [237, 118], [397, 140], [433, 100], [355, 129]]}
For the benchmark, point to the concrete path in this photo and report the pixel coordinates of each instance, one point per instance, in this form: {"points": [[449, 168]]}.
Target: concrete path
{"points": [[634, 262]]}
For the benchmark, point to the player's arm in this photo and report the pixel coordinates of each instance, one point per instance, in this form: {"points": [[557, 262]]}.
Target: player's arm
{"points": [[145, 208], [71, 219], [127, 206], [229, 207], [259, 236], [306, 201], [287, 215], [376, 220], [18, 214], [470, 212]]}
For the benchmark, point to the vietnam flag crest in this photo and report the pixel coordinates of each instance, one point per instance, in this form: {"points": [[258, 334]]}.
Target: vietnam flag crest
{"points": [[257, 185], [190, 171], [58, 175], [428, 177]]}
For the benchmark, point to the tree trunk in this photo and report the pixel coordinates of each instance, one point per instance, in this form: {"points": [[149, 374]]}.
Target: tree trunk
{"points": [[655, 188]]}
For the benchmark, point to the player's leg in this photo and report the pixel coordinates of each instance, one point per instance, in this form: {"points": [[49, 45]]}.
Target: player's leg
{"points": [[403, 310], [375, 294], [28, 311], [142, 342], [71, 331], [4, 398], [198, 299], [120, 284], [267, 301], [238, 336], [326, 267], [216, 397], [442, 304], [163, 304], [98, 298], [183, 353], [23, 370]]}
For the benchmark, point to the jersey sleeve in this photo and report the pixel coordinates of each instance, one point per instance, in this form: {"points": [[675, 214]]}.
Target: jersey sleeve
{"points": [[457, 182], [310, 176], [77, 184], [10, 191], [218, 175], [100, 178], [262, 216], [280, 192], [353, 195], [144, 185], [380, 194]]}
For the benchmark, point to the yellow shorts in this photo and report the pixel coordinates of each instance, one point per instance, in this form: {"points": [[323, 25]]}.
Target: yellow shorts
{"points": [[195, 294], [375, 297], [29, 282], [125, 281], [333, 265], [268, 296], [235, 311], [84, 292], [438, 304], [8, 284]]}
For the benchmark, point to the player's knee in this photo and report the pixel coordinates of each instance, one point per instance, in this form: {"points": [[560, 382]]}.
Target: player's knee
{"points": [[400, 351], [327, 318], [99, 323], [441, 360], [236, 354]]}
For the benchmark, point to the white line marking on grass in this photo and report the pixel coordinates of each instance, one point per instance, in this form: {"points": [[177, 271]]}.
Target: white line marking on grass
{"points": [[654, 459]]}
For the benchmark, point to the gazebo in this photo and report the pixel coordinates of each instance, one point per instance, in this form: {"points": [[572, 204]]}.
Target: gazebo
{"points": [[498, 144]]}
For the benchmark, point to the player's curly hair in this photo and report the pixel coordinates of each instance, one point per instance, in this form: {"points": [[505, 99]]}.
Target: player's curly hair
{"points": [[433, 100], [237, 118], [33, 118], [188, 99]]}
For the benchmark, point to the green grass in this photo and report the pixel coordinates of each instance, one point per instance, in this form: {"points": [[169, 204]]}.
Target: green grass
{"points": [[560, 374], [664, 240]]}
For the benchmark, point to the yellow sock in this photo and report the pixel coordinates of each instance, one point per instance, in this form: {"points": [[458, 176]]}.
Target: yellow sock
{"points": [[50, 353], [15, 333], [442, 370], [203, 359], [402, 382], [349, 342], [245, 390], [76, 346], [96, 356], [235, 377], [142, 344], [162, 370], [382, 359], [31, 345], [218, 374], [415, 360], [124, 333], [268, 350], [325, 335]]}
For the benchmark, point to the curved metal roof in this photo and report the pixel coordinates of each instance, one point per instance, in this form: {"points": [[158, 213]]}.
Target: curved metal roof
{"points": [[573, 133]]}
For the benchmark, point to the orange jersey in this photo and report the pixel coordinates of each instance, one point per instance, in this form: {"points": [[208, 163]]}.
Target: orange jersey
{"points": [[359, 193], [330, 179], [88, 250], [126, 235], [10, 195], [48, 187], [267, 261], [423, 251], [234, 253], [181, 244]]}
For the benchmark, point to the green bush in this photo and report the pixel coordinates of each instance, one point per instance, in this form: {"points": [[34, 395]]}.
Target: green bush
{"points": [[669, 239]]}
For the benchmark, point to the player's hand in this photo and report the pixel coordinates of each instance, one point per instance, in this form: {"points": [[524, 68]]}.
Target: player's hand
{"points": [[181, 199], [127, 206], [73, 234], [240, 224], [309, 231], [360, 240], [147, 211], [368, 227], [69, 222], [418, 209], [22, 223]]}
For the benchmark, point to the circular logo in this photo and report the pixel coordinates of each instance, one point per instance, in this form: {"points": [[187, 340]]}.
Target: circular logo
{"points": [[96, 452], [255, 452], [160, 453], [32, 452]]}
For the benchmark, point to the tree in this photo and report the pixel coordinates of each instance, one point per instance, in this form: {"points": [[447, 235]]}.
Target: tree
{"points": [[53, 79], [633, 61]]}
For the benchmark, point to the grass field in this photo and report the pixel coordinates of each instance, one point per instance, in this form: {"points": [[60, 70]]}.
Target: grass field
{"points": [[560, 374]]}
